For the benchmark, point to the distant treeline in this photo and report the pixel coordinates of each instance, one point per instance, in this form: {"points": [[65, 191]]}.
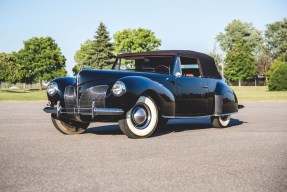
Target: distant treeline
{"points": [[246, 54]]}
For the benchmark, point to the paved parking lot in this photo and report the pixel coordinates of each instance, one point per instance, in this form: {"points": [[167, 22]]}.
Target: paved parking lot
{"points": [[188, 155]]}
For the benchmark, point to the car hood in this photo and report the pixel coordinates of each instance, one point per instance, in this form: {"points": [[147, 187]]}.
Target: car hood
{"points": [[109, 76]]}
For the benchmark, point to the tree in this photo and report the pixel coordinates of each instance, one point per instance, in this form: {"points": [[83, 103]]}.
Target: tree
{"points": [[276, 38], [135, 40], [242, 42], [238, 31], [9, 68], [218, 58], [263, 62], [41, 59], [278, 78], [81, 55], [273, 67], [98, 53], [240, 63]]}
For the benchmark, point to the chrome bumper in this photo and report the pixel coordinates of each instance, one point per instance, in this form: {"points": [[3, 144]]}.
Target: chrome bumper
{"points": [[83, 111]]}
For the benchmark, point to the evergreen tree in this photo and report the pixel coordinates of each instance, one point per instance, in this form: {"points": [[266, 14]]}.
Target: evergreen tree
{"points": [[81, 55], [101, 53], [240, 63]]}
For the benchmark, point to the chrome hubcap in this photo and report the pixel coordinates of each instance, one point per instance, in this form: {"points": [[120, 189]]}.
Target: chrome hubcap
{"points": [[139, 115]]}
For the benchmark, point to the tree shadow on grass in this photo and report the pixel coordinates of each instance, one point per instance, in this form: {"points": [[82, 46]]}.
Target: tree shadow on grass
{"points": [[173, 126]]}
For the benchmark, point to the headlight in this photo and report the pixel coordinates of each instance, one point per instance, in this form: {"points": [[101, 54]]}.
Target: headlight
{"points": [[119, 88], [52, 88]]}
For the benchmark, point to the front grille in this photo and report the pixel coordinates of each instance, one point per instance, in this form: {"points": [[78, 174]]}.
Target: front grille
{"points": [[97, 94]]}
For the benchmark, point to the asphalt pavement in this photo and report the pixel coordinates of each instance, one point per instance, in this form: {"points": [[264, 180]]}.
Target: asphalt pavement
{"points": [[188, 155]]}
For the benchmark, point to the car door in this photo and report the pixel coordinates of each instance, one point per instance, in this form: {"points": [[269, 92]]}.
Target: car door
{"points": [[191, 89]]}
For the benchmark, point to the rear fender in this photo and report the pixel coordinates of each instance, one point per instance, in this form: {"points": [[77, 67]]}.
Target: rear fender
{"points": [[225, 101]]}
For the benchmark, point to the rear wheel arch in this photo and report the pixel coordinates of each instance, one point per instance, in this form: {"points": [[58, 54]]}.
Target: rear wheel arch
{"points": [[225, 100]]}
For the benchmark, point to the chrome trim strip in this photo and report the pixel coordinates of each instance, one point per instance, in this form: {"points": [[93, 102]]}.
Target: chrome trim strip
{"points": [[225, 114], [58, 109], [196, 117], [93, 109], [81, 111], [108, 111], [185, 117], [77, 89]]}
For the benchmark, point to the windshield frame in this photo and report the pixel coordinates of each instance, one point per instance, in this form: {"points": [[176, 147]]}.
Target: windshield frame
{"points": [[117, 63]]}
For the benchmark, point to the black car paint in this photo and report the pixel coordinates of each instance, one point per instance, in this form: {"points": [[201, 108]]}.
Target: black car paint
{"points": [[175, 96], [62, 83], [137, 83]]}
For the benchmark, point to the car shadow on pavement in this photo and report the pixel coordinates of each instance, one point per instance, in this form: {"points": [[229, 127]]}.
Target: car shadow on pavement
{"points": [[177, 125], [173, 126], [105, 130]]}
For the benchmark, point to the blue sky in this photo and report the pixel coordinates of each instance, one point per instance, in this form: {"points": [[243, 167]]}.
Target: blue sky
{"points": [[181, 24]]}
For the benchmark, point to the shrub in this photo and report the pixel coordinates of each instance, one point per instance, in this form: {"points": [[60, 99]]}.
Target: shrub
{"points": [[278, 78]]}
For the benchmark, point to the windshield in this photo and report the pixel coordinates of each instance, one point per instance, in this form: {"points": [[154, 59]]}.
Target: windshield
{"points": [[156, 64]]}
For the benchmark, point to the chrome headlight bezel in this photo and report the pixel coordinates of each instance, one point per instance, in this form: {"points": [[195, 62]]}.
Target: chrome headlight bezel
{"points": [[119, 88], [52, 88]]}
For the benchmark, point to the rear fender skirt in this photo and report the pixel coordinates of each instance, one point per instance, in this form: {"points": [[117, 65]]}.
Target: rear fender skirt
{"points": [[225, 100]]}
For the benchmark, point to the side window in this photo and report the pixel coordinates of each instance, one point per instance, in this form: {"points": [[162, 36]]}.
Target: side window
{"points": [[189, 67]]}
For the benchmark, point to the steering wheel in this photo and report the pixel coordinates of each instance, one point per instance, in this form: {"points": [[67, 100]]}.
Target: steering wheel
{"points": [[161, 69]]}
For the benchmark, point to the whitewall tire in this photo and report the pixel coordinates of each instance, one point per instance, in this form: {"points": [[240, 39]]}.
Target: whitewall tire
{"points": [[220, 121], [141, 120]]}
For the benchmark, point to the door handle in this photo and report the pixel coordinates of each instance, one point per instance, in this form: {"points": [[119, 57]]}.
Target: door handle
{"points": [[205, 86], [171, 80]]}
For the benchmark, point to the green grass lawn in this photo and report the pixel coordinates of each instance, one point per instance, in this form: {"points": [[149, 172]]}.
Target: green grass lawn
{"points": [[22, 95], [243, 94], [259, 93]]}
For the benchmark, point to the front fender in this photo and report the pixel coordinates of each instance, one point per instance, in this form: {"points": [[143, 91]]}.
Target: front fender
{"points": [[62, 84], [137, 86], [225, 100]]}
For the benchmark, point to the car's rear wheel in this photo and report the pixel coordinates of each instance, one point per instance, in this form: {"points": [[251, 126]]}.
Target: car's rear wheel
{"points": [[69, 127], [220, 121], [141, 120]]}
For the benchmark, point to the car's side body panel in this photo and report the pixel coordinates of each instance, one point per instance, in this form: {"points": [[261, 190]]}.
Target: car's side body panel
{"points": [[191, 95]]}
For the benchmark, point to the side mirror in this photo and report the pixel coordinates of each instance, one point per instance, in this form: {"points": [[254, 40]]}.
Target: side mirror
{"points": [[177, 75]]}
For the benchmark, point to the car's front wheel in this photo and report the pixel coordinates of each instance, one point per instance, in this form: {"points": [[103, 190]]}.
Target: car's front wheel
{"points": [[141, 120], [220, 121], [69, 127]]}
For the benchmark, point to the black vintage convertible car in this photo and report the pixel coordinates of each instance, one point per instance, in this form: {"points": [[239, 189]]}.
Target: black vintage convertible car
{"points": [[141, 92]]}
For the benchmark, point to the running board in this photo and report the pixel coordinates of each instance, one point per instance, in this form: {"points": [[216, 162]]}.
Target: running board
{"points": [[196, 117]]}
